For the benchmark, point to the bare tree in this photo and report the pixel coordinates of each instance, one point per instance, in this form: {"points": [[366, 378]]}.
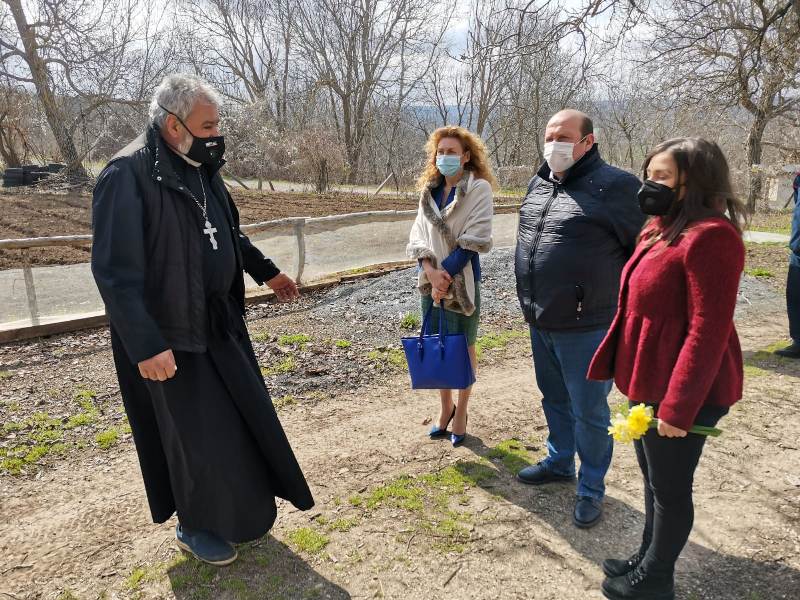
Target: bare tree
{"points": [[80, 56], [356, 48], [732, 53]]}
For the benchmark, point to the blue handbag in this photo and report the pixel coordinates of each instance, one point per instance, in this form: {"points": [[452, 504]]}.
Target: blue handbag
{"points": [[438, 362]]}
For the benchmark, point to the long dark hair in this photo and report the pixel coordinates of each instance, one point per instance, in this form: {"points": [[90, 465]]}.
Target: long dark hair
{"points": [[704, 175]]}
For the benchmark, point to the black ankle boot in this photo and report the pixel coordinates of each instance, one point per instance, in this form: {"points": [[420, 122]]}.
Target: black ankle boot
{"points": [[639, 585], [614, 567]]}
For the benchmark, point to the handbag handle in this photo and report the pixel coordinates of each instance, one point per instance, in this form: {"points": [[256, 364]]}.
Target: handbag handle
{"points": [[426, 321]]}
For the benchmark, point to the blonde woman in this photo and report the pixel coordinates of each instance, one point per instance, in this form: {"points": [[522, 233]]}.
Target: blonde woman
{"points": [[453, 225]]}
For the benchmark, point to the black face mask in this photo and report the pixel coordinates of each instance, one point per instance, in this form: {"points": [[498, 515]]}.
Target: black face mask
{"points": [[656, 198], [207, 150]]}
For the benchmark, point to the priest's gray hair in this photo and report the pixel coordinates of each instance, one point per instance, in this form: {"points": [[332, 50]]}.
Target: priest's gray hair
{"points": [[178, 93]]}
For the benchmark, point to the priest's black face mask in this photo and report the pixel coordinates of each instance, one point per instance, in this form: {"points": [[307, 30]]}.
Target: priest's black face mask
{"points": [[205, 150]]}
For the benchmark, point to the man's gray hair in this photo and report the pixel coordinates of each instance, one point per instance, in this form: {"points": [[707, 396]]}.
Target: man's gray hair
{"points": [[178, 93]]}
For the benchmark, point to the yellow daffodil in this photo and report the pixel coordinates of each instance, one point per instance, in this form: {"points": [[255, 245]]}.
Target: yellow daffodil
{"points": [[639, 418]]}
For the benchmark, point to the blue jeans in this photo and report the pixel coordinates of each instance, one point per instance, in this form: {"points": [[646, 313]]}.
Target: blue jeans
{"points": [[576, 409]]}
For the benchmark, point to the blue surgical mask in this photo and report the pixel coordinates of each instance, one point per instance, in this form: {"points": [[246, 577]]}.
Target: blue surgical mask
{"points": [[448, 164]]}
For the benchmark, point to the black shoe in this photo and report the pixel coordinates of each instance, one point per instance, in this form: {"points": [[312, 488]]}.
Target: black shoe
{"points": [[638, 585], [539, 474], [614, 567], [435, 432], [792, 351], [587, 512]]}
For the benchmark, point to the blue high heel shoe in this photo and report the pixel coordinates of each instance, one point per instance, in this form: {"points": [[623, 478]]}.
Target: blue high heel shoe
{"points": [[456, 439], [435, 432]]}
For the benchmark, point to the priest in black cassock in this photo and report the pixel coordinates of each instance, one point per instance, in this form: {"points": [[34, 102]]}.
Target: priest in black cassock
{"points": [[168, 257]]}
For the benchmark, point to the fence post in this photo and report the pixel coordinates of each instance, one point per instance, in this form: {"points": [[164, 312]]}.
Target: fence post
{"points": [[299, 232], [30, 289]]}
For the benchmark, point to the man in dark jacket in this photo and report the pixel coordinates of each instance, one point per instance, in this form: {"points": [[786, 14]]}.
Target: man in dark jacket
{"points": [[793, 279], [168, 258], [577, 227]]}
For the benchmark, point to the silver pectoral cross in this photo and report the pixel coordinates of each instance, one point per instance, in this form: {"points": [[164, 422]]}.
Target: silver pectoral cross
{"points": [[210, 231]]}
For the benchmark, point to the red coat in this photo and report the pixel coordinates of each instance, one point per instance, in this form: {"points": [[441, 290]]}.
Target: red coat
{"points": [[673, 341]]}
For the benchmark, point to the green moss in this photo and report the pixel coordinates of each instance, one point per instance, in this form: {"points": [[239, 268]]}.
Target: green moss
{"points": [[12, 426], [513, 455], [342, 343], [136, 578], [287, 365], [759, 272], [42, 421], [48, 436], [67, 595], [355, 500], [308, 540], [297, 340], [5, 375], [106, 439], [260, 337]]}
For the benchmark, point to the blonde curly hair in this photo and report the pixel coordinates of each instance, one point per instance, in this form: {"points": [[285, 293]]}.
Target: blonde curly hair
{"points": [[478, 162]]}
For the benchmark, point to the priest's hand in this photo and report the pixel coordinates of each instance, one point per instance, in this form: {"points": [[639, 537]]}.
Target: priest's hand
{"points": [[160, 367], [284, 287]]}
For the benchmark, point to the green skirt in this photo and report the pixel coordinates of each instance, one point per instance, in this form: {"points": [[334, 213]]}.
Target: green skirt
{"points": [[455, 322]]}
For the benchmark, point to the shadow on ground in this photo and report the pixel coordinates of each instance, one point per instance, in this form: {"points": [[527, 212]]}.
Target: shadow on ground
{"points": [[702, 573], [266, 569]]}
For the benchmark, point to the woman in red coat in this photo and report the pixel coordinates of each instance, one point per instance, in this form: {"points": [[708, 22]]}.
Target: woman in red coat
{"points": [[673, 344]]}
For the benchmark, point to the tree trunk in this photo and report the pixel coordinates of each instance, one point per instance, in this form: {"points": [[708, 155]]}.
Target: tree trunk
{"points": [[7, 150], [755, 177], [40, 77]]}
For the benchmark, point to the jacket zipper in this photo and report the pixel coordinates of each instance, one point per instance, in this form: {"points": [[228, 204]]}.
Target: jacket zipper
{"points": [[537, 238]]}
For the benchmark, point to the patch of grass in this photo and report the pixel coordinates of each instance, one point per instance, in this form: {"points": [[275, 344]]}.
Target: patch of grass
{"points": [[342, 524], [308, 540], [136, 578], [403, 492], [759, 363], [342, 343], [297, 340], [85, 394], [410, 321], [512, 454], [12, 465], [355, 500], [12, 426], [287, 365], [67, 595], [42, 421], [5, 375], [284, 401], [237, 586], [261, 336], [81, 419], [759, 272], [393, 357], [773, 221], [48, 436], [494, 341], [753, 371], [106, 439]]}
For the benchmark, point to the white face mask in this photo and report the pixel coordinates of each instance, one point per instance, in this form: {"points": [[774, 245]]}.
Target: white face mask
{"points": [[559, 155]]}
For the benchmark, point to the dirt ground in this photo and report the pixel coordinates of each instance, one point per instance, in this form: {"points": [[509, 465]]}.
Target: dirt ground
{"points": [[27, 214], [397, 515]]}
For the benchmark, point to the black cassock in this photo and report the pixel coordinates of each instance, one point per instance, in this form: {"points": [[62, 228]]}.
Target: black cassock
{"points": [[210, 444]]}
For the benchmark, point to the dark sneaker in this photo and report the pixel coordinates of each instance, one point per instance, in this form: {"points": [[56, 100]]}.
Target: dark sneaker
{"points": [[587, 512], [638, 585], [205, 546], [540, 474], [614, 567], [792, 351]]}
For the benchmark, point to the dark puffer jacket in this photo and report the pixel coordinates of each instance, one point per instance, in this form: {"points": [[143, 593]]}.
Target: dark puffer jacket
{"points": [[574, 237]]}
